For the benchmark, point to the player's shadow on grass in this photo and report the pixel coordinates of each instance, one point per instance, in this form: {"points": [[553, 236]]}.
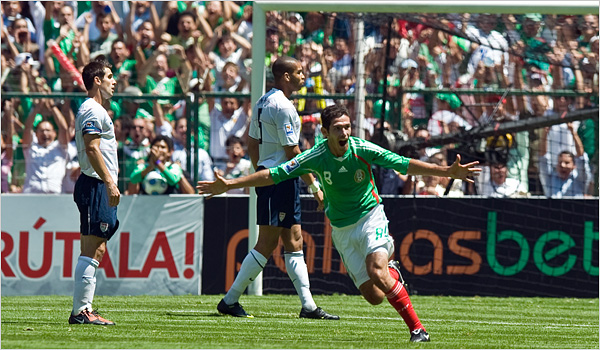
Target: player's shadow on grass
{"points": [[195, 314]]}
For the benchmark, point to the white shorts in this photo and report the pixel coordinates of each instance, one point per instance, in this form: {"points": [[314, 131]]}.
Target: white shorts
{"points": [[355, 242]]}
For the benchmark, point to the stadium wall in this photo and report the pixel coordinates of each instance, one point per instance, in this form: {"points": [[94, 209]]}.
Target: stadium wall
{"points": [[447, 246]]}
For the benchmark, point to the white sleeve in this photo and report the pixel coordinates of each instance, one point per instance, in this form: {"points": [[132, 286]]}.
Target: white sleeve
{"points": [[285, 127], [90, 121]]}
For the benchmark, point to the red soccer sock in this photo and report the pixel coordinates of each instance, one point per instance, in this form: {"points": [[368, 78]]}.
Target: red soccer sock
{"points": [[394, 273], [398, 297]]}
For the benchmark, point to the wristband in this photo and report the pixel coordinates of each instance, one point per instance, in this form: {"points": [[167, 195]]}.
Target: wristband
{"points": [[314, 187], [157, 162]]}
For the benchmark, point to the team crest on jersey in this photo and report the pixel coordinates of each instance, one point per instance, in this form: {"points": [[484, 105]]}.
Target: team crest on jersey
{"points": [[281, 216], [288, 129], [291, 166], [359, 175], [103, 226]]}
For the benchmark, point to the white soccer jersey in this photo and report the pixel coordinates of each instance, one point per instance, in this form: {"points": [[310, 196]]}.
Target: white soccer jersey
{"points": [[92, 118], [275, 123]]}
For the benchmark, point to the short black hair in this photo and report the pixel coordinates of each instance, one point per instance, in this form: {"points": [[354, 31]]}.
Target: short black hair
{"points": [[284, 64], [167, 139], [332, 112], [232, 140], [92, 70]]}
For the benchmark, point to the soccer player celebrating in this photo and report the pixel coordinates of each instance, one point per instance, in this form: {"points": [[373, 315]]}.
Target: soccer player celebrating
{"points": [[352, 204], [273, 140], [96, 192]]}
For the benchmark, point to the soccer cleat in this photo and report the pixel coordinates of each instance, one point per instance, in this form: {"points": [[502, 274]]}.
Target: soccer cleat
{"points": [[318, 314], [419, 335], [87, 317], [393, 264], [235, 310]]}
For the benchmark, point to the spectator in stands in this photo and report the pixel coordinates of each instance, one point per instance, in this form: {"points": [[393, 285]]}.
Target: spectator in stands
{"points": [[571, 176], [143, 41], [103, 43], [159, 174], [488, 44], [124, 69], [237, 165], [203, 160], [232, 48], [99, 8], [309, 134], [413, 104], [231, 81], [140, 12], [494, 182], [155, 76], [187, 31], [271, 46], [22, 41], [136, 149], [11, 11], [230, 120], [45, 151], [444, 120]]}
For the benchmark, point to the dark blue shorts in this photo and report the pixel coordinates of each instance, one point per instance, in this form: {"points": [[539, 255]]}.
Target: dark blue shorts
{"points": [[96, 217], [278, 205]]}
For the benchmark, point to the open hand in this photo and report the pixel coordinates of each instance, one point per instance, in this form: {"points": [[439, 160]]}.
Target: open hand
{"points": [[212, 188], [464, 171]]}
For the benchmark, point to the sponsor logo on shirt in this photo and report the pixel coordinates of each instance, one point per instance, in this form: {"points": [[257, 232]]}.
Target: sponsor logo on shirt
{"points": [[343, 170], [359, 175], [288, 129], [291, 166]]}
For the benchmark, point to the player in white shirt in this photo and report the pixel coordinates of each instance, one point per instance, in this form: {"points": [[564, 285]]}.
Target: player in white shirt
{"points": [[96, 192], [274, 135]]}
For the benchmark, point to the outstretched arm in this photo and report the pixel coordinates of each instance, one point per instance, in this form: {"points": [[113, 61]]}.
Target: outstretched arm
{"points": [[455, 171], [222, 185]]}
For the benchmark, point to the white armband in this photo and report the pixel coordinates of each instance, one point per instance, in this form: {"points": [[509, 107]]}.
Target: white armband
{"points": [[314, 187]]}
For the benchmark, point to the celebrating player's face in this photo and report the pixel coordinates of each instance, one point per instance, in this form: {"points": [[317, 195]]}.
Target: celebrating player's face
{"points": [[338, 135]]}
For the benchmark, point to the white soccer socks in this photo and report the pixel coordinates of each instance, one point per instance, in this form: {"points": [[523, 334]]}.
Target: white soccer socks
{"points": [[252, 265], [298, 272], [85, 284]]}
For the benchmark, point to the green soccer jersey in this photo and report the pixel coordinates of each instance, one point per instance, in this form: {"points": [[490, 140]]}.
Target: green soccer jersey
{"points": [[347, 181]]}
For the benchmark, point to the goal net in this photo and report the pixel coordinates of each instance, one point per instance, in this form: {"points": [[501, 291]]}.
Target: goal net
{"points": [[501, 83]]}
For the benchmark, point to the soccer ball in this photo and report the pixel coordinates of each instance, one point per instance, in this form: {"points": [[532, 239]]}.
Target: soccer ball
{"points": [[154, 183]]}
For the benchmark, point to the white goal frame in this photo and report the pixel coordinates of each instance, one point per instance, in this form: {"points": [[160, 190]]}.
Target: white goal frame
{"points": [[398, 6]]}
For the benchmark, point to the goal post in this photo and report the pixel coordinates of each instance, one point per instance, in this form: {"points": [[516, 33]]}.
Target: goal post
{"points": [[403, 6]]}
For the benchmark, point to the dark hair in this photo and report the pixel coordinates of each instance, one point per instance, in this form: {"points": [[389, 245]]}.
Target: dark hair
{"points": [[570, 154], [284, 64], [165, 138], [92, 70], [187, 13], [232, 140], [332, 112]]}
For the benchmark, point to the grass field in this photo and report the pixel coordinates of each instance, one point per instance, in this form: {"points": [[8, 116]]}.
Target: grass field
{"points": [[160, 322]]}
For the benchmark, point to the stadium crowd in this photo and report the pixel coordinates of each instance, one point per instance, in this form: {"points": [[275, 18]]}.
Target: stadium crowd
{"points": [[174, 47]]}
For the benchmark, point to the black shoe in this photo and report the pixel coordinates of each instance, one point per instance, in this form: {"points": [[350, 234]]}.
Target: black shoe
{"points": [[318, 314], [393, 264], [87, 317], [419, 335], [235, 310]]}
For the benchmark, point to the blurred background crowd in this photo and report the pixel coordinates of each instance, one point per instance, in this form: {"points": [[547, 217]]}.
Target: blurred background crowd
{"points": [[171, 48]]}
